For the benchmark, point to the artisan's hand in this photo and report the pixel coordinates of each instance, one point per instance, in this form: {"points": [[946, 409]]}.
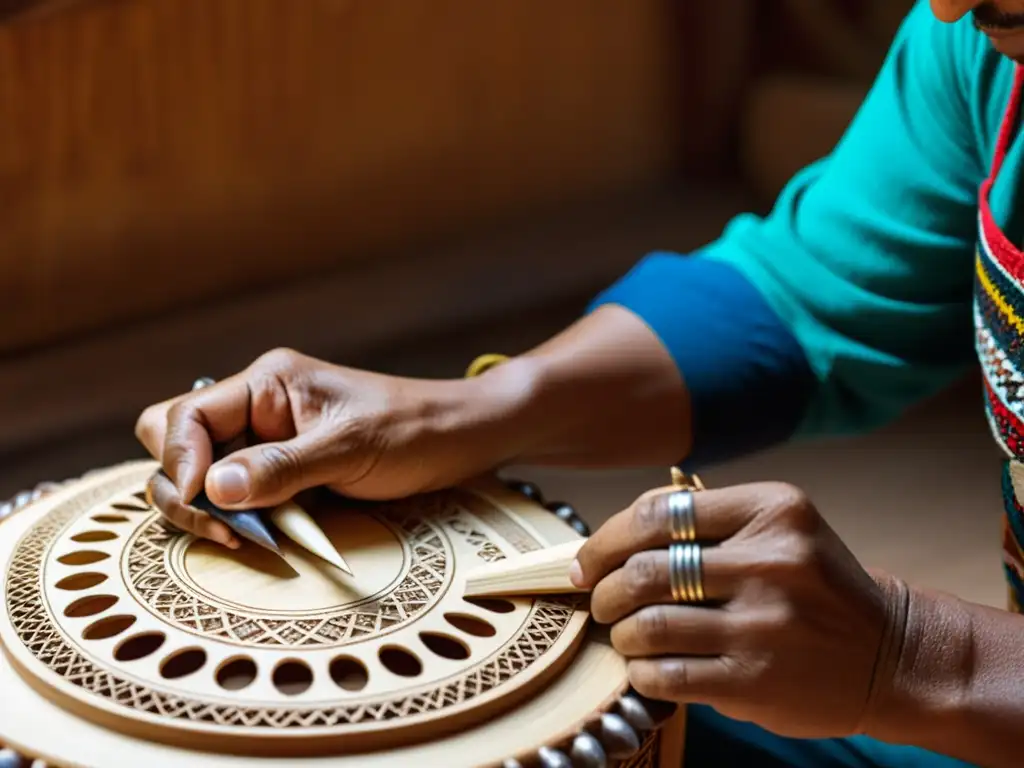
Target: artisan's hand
{"points": [[792, 627], [361, 434]]}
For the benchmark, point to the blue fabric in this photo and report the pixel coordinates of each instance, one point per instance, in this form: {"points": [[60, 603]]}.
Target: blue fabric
{"points": [[714, 741], [746, 373]]}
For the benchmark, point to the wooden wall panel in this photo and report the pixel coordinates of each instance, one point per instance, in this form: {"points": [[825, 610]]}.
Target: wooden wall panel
{"points": [[156, 152]]}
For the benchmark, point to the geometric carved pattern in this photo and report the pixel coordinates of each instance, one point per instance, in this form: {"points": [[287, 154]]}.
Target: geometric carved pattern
{"points": [[159, 587], [44, 638]]}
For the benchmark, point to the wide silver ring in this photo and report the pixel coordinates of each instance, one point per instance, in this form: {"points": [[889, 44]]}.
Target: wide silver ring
{"points": [[685, 572], [682, 521]]}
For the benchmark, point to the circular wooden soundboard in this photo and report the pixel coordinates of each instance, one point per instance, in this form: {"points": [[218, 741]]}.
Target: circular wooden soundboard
{"points": [[127, 641]]}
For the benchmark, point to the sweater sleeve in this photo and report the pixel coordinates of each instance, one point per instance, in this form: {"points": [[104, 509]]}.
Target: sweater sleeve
{"points": [[850, 301]]}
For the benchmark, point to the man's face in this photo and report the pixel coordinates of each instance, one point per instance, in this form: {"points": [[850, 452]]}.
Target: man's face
{"points": [[1001, 20]]}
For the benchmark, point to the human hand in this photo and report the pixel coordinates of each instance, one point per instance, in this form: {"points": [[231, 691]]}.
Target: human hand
{"points": [[362, 434], [792, 626]]}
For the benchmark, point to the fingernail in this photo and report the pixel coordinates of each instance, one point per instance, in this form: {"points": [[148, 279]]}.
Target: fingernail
{"points": [[229, 483], [233, 544], [576, 574]]}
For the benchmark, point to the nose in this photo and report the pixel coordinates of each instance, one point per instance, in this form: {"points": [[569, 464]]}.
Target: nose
{"points": [[953, 10]]}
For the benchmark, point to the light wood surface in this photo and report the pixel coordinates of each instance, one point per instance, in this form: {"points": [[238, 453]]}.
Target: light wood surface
{"points": [[400, 622], [29, 722], [535, 573], [89, 575]]}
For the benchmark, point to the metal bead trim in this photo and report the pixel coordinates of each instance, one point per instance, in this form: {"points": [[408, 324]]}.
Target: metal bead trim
{"points": [[588, 752], [11, 759], [529, 490], [553, 758], [618, 733], [618, 737], [567, 514]]}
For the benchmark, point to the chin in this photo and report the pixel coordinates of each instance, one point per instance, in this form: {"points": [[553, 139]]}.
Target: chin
{"points": [[1014, 52], [1009, 45]]}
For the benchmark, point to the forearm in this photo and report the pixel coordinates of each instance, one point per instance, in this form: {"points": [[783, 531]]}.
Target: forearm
{"points": [[958, 686], [604, 392], [681, 361]]}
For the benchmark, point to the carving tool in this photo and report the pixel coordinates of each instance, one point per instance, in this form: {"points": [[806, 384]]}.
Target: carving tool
{"points": [[247, 523], [545, 571], [299, 526]]}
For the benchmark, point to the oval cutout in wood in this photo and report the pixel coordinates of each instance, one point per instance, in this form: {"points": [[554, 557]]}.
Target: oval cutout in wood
{"points": [[79, 581], [236, 674], [89, 606], [108, 627], [110, 519], [292, 677], [82, 557], [130, 507], [183, 663], [445, 646], [400, 662], [471, 625], [349, 673], [494, 605], [139, 646], [91, 537]]}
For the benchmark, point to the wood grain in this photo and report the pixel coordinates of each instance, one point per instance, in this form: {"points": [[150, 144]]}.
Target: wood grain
{"points": [[565, 696], [57, 394], [543, 572], [160, 152]]}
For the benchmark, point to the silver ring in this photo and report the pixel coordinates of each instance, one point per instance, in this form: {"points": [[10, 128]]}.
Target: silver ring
{"points": [[682, 521], [685, 573], [202, 383]]}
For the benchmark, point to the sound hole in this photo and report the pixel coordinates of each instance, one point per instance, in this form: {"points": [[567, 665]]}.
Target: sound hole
{"points": [[139, 646], [80, 581], [400, 662], [82, 557], [471, 625], [292, 678], [237, 674], [89, 606], [109, 627], [444, 646], [183, 663], [349, 673], [110, 519], [491, 604], [90, 537]]}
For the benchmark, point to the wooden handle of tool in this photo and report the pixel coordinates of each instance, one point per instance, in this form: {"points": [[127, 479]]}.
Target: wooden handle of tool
{"points": [[545, 571]]}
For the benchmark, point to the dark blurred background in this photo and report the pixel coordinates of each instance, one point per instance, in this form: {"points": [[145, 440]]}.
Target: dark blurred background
{"points": [[404, 184]]}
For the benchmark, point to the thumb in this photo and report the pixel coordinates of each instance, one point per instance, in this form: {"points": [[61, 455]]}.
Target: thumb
{"points": [[269, 474]]}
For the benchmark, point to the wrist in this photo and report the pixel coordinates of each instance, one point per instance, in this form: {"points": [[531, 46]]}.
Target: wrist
{"points": [[604, 392], [480, 420], [922, 689]]}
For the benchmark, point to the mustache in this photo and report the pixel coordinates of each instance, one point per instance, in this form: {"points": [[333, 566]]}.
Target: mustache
{"points": [[989, 16]]}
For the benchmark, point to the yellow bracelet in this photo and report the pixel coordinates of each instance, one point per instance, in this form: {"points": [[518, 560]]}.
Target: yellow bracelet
{"points": [[484, 363]]}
